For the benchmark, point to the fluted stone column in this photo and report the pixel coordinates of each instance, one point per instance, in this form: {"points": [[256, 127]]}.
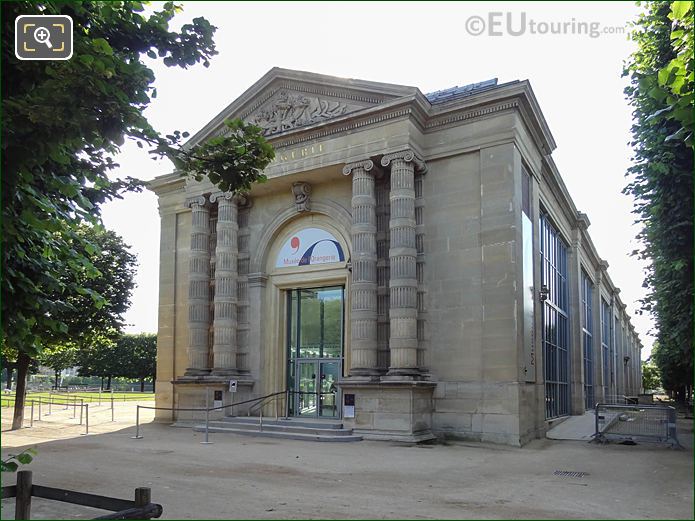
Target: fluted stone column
{"points": [[225, 319], [199, 288], [363, 314], [403, 341]]}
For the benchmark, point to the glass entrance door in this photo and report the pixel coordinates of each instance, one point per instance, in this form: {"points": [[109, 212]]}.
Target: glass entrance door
{"points": [[315, 350]]}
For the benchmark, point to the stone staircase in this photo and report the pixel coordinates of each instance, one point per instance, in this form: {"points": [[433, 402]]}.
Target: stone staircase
{"points": [[284, 428]]}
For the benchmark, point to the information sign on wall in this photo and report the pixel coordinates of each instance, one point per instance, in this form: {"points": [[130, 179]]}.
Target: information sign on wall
{"points": [[309, 247]]}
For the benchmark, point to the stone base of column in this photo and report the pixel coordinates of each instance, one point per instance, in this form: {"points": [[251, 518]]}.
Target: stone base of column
{"points": [[404, 371], [221, 371], [192, 371], [390, 408], [365, 371], [190, 393]]}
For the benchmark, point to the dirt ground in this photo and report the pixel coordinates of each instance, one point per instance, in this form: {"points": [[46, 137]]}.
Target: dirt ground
{"points": [[256, 478]]}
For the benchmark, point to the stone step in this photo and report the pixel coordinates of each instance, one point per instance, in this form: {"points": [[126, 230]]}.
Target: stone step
{"points": [[280, 434], [290, 422], [274, 427]]}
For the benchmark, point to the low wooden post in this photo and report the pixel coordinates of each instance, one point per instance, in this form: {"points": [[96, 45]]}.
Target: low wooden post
{"points": [[142, 497], [23, 501]]}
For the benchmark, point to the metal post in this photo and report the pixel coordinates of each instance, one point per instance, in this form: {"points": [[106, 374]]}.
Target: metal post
{"points": [[207, 416], [137, 423], [81, 407], [112, 411], [31, 423], [39, 410], [50, 401], [287, 403], [86, 419], [23, 501], [74, 407], [99, 396]]}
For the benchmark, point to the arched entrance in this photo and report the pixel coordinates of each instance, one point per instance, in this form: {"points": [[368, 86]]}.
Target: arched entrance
{"points": [[306, 304]]}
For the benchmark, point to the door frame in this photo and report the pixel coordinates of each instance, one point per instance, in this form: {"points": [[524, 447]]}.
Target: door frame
{"points": [[273, 356], [318, 361]]}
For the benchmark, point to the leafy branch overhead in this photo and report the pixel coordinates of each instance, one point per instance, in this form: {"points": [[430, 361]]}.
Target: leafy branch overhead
{"points": [[661, 178], [64, 122], [232, 161]]}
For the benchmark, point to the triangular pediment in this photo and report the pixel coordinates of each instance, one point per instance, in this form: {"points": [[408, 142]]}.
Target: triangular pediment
{"points": [[285, 100]]}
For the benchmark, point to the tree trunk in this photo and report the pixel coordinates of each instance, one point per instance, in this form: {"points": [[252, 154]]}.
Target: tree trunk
{"points": [[108, 382], [142, 385], [20, 395], [57, 376], [102, 383], [10, 372], [153, 386]]}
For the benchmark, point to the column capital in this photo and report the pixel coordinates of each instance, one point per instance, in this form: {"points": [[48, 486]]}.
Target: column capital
{"points": [[238, 199], [408, 155], [366, 165], [198, 200]]}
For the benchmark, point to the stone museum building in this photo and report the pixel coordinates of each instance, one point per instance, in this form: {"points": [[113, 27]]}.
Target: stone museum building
{"points": [[413, 267]]}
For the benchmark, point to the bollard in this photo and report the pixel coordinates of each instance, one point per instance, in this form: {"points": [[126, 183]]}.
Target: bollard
{"points": [[207, 416], [143, 496], [137, 424], [86, 420], [31, 423], [81, 407]]}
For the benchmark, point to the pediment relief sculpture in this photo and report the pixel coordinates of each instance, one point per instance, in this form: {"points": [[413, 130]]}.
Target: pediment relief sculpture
{"points": [[289, 110]]}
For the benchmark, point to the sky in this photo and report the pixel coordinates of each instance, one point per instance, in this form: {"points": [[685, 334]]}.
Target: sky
{"points": [[572, 53]]}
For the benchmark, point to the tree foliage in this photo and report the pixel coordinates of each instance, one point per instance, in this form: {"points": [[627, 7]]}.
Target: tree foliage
{"points": [[127, 355], [651, 378], [138, 353], [63, 122], [661, 178]]}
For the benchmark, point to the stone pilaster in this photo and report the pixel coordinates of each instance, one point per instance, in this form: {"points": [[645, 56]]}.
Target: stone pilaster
{"points": [[225, 316], [199, 288], [363, 288], [403, 313]]}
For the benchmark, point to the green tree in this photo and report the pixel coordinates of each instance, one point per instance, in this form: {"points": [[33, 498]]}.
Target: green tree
{"points": [[63, 122], [661, 178], [651, 379], [100, 358], [58, 357], [138, 356]]}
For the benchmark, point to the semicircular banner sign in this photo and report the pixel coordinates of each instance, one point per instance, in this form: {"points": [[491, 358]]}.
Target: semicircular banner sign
{"points": [[308, 247]]}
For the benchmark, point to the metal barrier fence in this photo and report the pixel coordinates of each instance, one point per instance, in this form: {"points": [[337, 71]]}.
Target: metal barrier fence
{"points": [[654, 423]]}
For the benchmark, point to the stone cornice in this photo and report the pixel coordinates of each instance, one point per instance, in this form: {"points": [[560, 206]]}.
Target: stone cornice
{"points": [[167, 183]]}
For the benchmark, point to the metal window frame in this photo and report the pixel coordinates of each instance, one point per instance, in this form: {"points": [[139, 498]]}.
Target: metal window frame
{"points": [[556, 322]]}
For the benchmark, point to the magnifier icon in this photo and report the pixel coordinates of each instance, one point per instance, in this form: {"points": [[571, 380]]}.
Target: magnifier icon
{"points": [[43, 35]]}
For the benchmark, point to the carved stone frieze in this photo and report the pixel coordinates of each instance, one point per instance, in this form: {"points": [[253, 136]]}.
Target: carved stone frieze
{"points": [[288, 110]]}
